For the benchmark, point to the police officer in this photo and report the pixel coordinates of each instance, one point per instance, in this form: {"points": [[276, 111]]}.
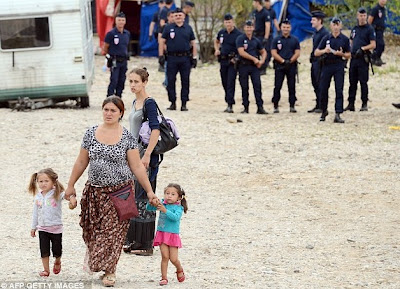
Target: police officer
{"points": [[274, 24], [163, 20], [226, 51], [317, 22], [155, 21], [250, 49], [377, 19], [115, 48], [262, 29], [334, 47], [362, 40], [187, 9], [182, 56], [285, 51]]}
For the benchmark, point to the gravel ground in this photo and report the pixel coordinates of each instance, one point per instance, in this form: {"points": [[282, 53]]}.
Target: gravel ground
{"points": [[275, 201]]}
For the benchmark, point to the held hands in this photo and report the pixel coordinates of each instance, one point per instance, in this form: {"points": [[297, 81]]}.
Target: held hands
{"points": [[69, 192], [33, 233], [72, 202], [161, 208], [338, 52]]}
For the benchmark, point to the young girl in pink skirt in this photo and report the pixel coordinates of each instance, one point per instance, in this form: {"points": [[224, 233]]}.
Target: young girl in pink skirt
{"points": [[167, 235]]}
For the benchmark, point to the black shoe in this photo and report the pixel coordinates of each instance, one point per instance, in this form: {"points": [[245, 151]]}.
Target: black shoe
{"points": [[350, 107], [172, 106], [229, 109], [396, 105], [245, 110], [312, 110], [161, 68], [276, 110], [184, 108], [323, 115], [261, 110], [364, 107], [338, 119], [292, 109]]}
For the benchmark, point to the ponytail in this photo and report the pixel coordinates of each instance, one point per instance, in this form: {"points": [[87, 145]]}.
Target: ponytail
{"points": [[32, 184]]}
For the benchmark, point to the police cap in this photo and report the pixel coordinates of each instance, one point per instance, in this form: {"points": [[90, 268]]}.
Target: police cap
{"points": [[248, 23], [189, 3], [161, 1], [169, 1], [362, 10], [178, 10], [228, 16], [286, 21], [318, 14], [336, 20], [121, 15]]}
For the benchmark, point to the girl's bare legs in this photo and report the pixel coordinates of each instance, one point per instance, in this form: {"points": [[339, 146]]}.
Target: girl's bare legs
{"points": [[45, 262], [165, 256], [173, 256]]}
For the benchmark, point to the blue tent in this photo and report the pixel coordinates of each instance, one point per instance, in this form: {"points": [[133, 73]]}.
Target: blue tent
{"points": [[148, 48]]}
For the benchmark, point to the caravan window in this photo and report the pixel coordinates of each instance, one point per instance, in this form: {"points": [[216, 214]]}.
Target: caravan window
{"points": [[25, 33]]}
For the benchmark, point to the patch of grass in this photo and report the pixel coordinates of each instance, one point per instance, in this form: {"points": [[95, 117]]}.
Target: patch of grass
{"points": [[386, 69]]}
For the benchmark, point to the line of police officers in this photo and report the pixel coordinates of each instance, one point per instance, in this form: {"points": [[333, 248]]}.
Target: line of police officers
{"points": [[245, 54]]}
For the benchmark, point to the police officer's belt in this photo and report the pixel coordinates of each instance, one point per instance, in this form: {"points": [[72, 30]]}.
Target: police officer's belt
{"points": [[179, 53], [246, 62], [332, 61], [120, 58]]}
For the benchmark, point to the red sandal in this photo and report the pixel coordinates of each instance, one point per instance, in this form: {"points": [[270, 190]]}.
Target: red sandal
{"points": [[182, 278], [163, 282], [44, 273], [57, 270]]}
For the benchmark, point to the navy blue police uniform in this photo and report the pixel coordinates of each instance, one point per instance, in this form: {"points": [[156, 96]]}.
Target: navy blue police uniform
{"points": [[359, 64], [248, 68], [286, 47], [179, 59], [379, 14], [118, 50], [272, 16], [187, 18], [227, 70], [333, 66], [260, 17], [315, 63]]}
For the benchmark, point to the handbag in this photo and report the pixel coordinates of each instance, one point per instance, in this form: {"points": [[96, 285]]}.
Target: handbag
{"points": [[124, 202], [168, 138]]}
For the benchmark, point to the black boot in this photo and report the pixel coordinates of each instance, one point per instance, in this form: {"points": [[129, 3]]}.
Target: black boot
{"points": [[261, 110], [364, 107], [396, 105], [245, 110], [323, 115], [338, 119], [229, 109], [292, 109], [350, 107], [172, 106], [183, 107]]}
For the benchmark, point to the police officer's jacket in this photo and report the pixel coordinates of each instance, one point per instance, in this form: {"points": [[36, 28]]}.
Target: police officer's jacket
{"points": [[341, 41], [361, 36], [178, 38], [317, 36], [260, 17], [379, 14], [285, 46], [251, 46], [118, 42], [228, 41]]}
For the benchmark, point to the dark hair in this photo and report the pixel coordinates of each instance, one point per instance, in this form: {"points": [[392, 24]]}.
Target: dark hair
{"points": [[259, 1], [32, 188], [142, 72], [181, 194], [117, 101]]}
